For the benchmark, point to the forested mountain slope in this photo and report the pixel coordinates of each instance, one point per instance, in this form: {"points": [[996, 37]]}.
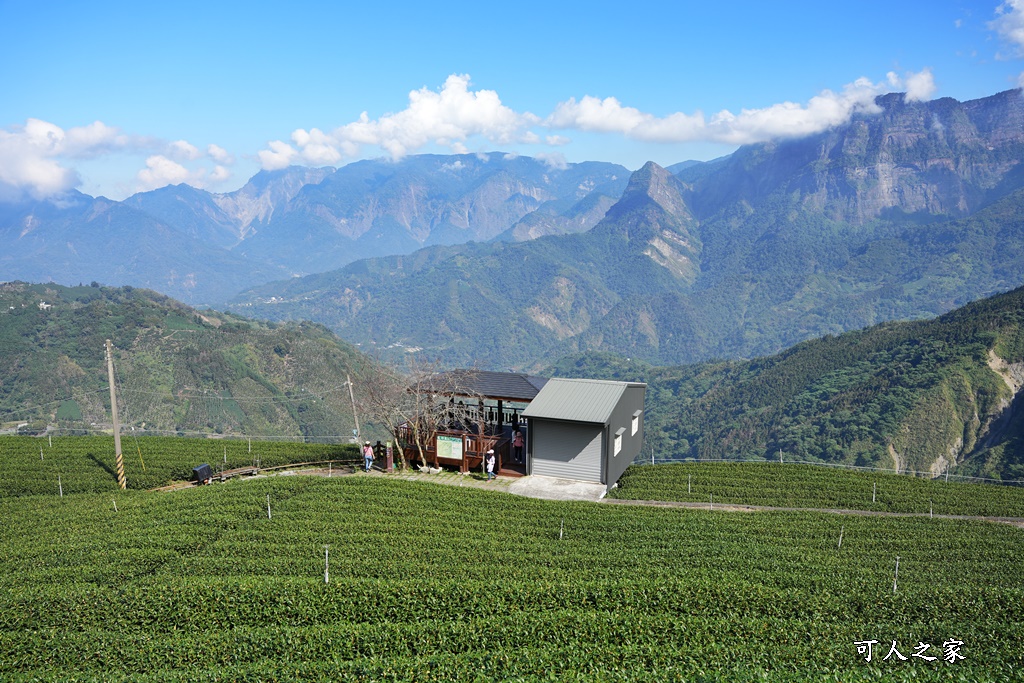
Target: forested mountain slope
{"points": [[912, 396], [901, 213], [652, 281], [178, 369]]}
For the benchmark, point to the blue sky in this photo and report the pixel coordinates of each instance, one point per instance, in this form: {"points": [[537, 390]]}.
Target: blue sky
{"points": [[112, 98]]}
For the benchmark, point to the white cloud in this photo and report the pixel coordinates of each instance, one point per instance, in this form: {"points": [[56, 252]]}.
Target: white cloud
{"points": [[161, 171], [553, 160], [90, 141], [448, 118], [280, 155], [1009, 25], [920, 86], [317, 147], [602, 116], [219, 154], [33, 157], [787, 119], [183, 150], [27, 166], [456, 113], [220, 174], [37, 159]]}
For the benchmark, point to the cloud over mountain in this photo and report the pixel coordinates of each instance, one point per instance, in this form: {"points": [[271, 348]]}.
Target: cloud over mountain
{"points": [[784, 120], [32, 156], [451, 116], [447, 117], [37, 158]]}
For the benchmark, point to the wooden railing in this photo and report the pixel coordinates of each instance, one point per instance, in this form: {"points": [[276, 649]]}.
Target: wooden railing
{"points": [[474, 447]]}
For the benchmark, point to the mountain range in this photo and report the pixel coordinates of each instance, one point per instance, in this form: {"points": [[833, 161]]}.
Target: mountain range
{"points": [[904, 213], [500, 261], [204, 248]]}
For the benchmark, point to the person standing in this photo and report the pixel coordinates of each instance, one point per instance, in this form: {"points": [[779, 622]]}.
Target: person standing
{"points": [[368, 455], [517, 445], [490, 465]]}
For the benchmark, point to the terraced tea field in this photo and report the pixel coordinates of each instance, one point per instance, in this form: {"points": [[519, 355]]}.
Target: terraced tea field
{"points": [[810, 486], [85, 464], [443, 583]]}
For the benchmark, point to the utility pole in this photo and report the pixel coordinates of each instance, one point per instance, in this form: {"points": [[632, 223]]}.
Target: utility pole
{"points": [[352, 396], [121, 481]]}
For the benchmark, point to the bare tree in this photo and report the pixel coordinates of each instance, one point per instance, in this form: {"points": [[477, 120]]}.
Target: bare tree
{"points": [[416, 404]]}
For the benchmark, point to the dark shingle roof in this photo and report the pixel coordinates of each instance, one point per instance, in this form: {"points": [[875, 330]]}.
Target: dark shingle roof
{"points": [[508, 386]]}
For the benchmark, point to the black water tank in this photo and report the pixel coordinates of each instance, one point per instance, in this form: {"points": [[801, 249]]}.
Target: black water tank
{"points": [[202, 473]]}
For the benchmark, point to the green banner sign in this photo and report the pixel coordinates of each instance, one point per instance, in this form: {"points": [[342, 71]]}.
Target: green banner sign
{"points": [[449, 447]]}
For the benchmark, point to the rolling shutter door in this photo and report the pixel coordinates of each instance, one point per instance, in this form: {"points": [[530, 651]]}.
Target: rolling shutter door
{"points": [[567, 450]]}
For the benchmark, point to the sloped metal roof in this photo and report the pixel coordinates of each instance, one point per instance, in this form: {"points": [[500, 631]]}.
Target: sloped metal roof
{"points": [[508, 386], [578, 400]]}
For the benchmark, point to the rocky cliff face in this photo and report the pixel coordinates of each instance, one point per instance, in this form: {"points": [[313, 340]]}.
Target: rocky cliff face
{"points": [[653, 214], [430, 199], [942, 158], [267, 191]]}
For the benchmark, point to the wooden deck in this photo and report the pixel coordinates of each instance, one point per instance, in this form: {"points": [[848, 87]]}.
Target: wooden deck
{"points": [[473, 449]]}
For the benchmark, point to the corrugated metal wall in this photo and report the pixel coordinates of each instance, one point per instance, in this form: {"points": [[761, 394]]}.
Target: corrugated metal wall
{"points": [[567, 450], [622, 417]]}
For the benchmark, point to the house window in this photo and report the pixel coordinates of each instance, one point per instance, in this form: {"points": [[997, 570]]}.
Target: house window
{"points": [[618, 441], [636, 422]]}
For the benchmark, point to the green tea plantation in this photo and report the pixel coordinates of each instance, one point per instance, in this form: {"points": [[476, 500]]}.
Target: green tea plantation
{"points": [[369, 578]]}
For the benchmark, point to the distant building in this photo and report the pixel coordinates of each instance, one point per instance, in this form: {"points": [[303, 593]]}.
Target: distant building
{"points": [[585, 429], [486, 409], [582, 429]]}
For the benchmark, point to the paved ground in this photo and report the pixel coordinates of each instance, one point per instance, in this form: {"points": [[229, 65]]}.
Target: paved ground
{"points": [[547, 488], [550, 488], [472, 479]]}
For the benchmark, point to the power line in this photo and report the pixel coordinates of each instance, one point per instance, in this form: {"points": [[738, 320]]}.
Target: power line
{"points": [[241, 399], [50, 403], [300, 438]]}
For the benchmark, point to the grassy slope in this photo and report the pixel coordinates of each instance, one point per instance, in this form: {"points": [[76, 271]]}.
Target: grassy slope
{"points": [[440, 583]]}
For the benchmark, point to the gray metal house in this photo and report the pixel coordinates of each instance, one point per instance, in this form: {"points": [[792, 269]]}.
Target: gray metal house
{"points": [[585, 429]]}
